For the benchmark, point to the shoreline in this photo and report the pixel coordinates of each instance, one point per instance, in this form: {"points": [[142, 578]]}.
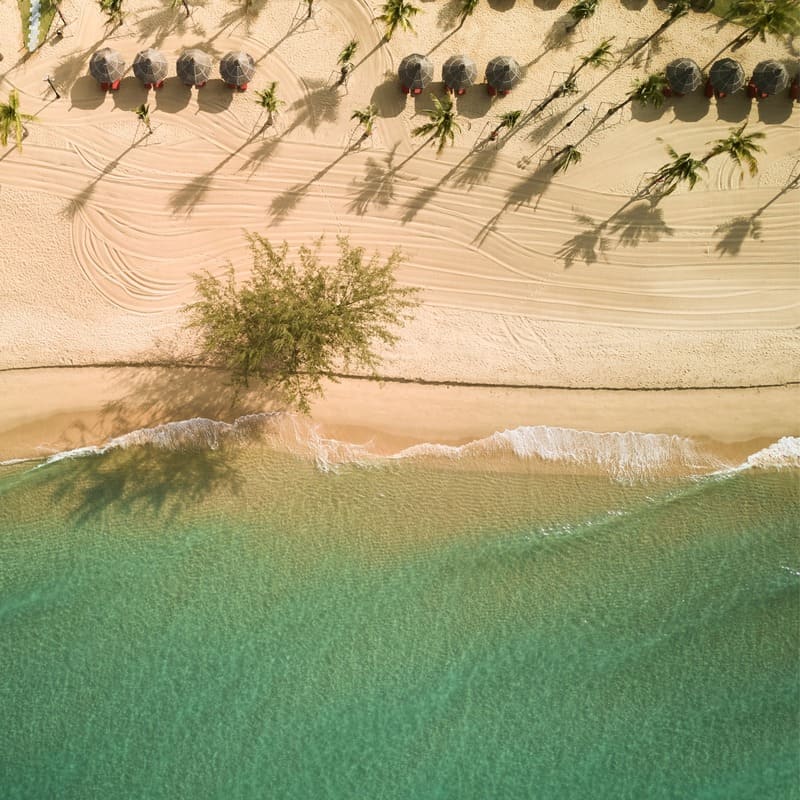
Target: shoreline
{"points": [[45, 411]]}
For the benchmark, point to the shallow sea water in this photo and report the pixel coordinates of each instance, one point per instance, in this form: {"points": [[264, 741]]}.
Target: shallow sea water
{"points": [[237, 623]]}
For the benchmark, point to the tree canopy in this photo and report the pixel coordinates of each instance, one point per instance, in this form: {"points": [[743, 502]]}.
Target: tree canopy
{"points": [[294, 323]]}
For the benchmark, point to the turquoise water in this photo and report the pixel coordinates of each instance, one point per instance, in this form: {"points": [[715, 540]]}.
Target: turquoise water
{"points": [[235, 623]]}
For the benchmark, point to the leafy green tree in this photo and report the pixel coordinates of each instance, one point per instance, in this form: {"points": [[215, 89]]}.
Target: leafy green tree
{"points": [[467, 9], [442, 125], [508, 120], [366, 118], [760, 17], [113, 10], [12, 120], [582, 10], [564, 158], [648, 92], [740, 147], [682, 168], [143, 114], [268, 100], [398, 14], [292, 325]]}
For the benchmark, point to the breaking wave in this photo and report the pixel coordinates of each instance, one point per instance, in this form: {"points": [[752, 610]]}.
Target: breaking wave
{"points": [[623, 456]]}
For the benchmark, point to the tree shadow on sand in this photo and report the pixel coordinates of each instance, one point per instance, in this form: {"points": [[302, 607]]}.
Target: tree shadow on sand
{"points": [[734, 232], [376, 186], [637, 221], [155, 27]]}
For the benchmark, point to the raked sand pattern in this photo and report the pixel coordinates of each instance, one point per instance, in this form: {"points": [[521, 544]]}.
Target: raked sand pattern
{"points": [[519, 270]]}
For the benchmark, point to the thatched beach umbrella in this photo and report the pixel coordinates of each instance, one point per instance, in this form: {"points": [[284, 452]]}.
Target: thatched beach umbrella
{"points": [[726, 76], [683, 76], [107, 67], [415, 73], [237, 69], [459, 73], [502, 75], [769, 77], [150, 67], [194, 67]]}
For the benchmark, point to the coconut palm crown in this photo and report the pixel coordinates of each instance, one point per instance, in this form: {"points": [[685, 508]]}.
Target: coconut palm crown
{"points": [[683, 168], [740, 147], [398, 14], [563, 159], [366, 118], [268, 100], [582, 10], [760, 17], [12, 120], [442, 125]]}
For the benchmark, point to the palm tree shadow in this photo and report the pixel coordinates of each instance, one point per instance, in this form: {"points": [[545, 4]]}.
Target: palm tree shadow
{"points": [[734, 232], [320, 104], [376, 186], [586, 245], [639, 223], [164, 22]]}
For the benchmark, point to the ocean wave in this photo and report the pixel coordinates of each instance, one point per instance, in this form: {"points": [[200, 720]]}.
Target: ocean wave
{"points": [[624, 456]]}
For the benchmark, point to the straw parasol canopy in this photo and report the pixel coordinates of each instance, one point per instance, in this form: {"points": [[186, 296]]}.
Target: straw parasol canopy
{"points": [[150, 66], [237, 68], [770, 77], [415, 72], [503, 73], [459, 73], [683, 76], [726, 76], [106, 66], [194, 67]]}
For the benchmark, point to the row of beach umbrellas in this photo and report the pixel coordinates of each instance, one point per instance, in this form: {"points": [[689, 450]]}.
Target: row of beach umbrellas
{"points": [[193, 67], [415, 72], [727, 76]]}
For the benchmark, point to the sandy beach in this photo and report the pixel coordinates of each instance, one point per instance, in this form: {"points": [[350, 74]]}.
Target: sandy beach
{"points": [[546, 300]]}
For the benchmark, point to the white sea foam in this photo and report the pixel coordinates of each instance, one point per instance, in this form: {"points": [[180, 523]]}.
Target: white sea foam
{"points": [[624, 456]]}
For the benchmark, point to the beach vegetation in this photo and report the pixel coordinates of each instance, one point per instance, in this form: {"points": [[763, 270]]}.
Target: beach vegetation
{"points": [[268, 100], [293, 323], [681, 168], [143, 115], [442, 126], [113, 10], [740, 147], [564, 158], [398, 14], [508, 120], [345, 60], [467, 9], [647, 91], [366, 118], [760, 17], [582, 10], [12, 120]]}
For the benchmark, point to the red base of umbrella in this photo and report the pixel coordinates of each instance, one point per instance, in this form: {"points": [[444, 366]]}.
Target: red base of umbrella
{"points": [[110, 87], [456, 92]]}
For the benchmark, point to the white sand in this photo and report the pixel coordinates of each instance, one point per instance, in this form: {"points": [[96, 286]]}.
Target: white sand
{"points": [[522, 282]]}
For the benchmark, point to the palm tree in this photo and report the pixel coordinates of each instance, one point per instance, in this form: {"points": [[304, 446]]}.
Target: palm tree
{"points": [[12, 119], [366, 118], [268, 100], [143, 113], [397, 14], [599, 57], [647, 92], [467, 7], [761, 17], [345, 60], [683, 168], [740, 147], [507, 120], [113, 10], [442, 125], [564, 158], [582, 10]]}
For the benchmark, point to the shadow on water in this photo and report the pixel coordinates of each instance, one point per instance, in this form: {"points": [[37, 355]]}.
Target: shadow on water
{"points": [[141, 480]]}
